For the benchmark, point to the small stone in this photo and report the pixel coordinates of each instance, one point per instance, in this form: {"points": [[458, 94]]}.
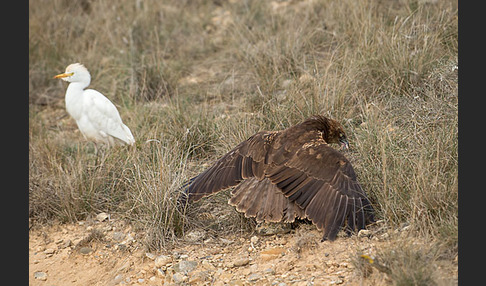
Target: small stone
{"points": [[199, 277], [241, 262], [118, 279], [85, 250], [269, 271], [162, 260], [254, 277], [67, 243], [185, 266], [254, 239], [40, 275], [337, 282], [184, 256], [364, 233], [140, 280], [102, 216], [49, 251], [207, 265], [179, 278]]}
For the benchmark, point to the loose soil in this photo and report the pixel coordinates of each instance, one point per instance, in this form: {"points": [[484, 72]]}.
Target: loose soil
{"points": [[109, 252]]}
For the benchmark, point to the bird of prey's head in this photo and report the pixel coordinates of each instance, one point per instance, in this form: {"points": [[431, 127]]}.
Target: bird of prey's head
{"points": [[332, 131]]}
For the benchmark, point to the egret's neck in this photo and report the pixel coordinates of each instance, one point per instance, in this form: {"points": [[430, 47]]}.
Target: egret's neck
{"points": [[74, 97], [78, 85]]}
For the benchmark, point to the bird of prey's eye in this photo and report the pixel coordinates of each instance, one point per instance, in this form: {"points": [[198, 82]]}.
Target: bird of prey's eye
{"points": [[343, 141]]}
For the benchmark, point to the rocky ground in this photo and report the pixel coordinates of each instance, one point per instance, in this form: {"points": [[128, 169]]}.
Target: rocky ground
{"points": [[107, 251]]}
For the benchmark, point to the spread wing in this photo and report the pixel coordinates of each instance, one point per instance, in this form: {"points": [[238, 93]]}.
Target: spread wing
{"points": [[288, 175], [244, 161]]}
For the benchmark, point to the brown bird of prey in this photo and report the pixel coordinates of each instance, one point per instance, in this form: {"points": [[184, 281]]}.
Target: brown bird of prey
{"points": [[289, 174]]}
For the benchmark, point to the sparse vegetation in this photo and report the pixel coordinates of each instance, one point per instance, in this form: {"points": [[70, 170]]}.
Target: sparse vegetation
{"points": [[193, 78]]}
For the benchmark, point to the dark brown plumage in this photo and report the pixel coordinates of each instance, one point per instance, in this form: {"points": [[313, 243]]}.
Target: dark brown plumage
{"points": [[289, 174]]}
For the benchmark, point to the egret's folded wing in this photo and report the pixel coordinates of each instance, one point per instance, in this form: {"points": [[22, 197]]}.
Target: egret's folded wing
{"points": [[104, 116]]}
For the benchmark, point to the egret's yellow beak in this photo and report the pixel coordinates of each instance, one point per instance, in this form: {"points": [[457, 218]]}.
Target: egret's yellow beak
{"points": [[64, 75]]}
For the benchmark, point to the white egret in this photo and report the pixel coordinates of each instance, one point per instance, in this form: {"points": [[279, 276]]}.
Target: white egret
{"points": [[96, 116]]}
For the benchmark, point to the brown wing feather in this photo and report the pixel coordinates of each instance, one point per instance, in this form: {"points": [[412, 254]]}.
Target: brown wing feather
{"points": [[321, 181], [270, 205], [244, 161]]}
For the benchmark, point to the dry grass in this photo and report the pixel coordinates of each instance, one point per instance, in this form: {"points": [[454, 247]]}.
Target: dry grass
{"points": [[193, 78]]}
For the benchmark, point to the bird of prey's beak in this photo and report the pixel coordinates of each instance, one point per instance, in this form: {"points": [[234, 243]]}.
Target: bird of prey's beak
{"points": [[344, 143]]}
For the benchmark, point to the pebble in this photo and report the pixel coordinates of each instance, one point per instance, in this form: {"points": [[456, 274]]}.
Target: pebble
{"points": [[66, 244], [364, 233], [185, 266], [118, 279], [254, 277], [40, 275], [102, 216], [162, 260], [199, 277], [183, 256], [207, 265], [241, 262], [269, 271], [179, 278], [85, 250], [49, 251]]}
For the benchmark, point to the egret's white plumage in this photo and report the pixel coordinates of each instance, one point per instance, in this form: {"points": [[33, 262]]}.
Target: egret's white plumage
{"points": [[96, 116]]}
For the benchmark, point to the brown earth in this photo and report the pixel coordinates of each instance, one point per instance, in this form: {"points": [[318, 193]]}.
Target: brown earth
{"points": [[109, 252]]}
